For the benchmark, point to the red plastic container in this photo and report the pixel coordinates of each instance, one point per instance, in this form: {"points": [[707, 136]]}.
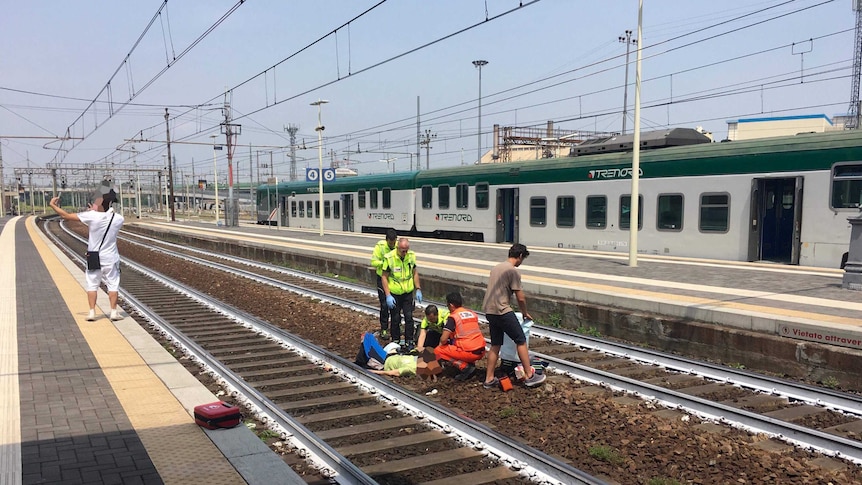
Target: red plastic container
{"points": [[505, 383], [217, 415]]}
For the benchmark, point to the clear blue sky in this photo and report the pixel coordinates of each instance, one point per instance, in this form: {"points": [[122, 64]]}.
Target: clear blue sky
{"points": [[552, 60]]}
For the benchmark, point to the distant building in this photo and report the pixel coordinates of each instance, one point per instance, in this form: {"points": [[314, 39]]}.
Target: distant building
{"points": [[747, 129]]}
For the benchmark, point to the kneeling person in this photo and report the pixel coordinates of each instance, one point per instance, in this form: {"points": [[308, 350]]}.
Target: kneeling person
{"points": [[462, 343], [431, 328]]}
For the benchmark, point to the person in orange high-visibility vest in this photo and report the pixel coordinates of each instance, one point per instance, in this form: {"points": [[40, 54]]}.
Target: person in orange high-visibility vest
{"points": [[462, 343]]}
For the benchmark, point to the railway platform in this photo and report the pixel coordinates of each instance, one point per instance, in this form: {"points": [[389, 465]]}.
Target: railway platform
{"points": [[684, 299], [102, 401]]}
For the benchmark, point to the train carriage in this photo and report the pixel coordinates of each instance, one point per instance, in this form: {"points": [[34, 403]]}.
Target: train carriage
{"points": [[784, 199], [354, 204]]}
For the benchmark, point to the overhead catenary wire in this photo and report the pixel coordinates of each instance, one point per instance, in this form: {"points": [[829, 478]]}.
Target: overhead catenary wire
{"points": [[367, 133], [62, 151]]}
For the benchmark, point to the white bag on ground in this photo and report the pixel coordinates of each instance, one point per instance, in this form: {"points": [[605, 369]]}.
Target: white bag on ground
{"points": [[509, 351]]}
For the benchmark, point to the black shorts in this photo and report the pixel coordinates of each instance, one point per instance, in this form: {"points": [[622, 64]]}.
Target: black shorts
{"points": [[505, 324]]}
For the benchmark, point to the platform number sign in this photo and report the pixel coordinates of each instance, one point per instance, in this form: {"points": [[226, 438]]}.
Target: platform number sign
{"points": [[313, 174]]}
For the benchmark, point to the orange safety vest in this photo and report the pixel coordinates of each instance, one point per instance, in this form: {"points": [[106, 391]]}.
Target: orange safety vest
{"points": [[468, 335]]}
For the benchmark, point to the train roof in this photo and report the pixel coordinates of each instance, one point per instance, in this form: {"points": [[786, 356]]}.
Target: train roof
{"points": [[778, 154], [648, 140]]}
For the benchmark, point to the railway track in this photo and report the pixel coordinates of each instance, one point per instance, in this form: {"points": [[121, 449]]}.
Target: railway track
{"points": [[355, 426], [811, 417]]}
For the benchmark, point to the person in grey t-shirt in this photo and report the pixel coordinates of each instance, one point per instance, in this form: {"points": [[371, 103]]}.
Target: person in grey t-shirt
{"points": [[502, 283]]}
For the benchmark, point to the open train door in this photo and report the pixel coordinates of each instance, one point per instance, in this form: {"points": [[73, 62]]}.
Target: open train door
{"points": [[507, 215], [796, 245], [775, 225], [347, 212]]}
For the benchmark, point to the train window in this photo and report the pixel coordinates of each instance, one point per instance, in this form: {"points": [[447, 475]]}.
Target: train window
{"points": [[538, 211], [301, 209], [427, 192], [714, 212], [327, 213], [846, 186], [669, 212], [293, 208], [462, 196], [482, 197], [443, 197], [787, 198], [308, 209], [372, 198], [597, 211], [336, 209], [387, 198], [361, 198], [566, 211], [626, 212]]}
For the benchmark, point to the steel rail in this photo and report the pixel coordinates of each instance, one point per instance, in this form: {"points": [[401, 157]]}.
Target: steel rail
{"points": [[345, 302], [328, 461], [257, 264], [531, 463], [805, 437], [828, 398]]}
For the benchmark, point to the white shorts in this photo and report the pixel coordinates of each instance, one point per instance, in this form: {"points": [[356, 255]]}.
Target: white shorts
{"points": [[110, 274]]}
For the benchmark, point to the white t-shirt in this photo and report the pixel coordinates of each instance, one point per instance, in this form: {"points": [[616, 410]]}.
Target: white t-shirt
{"points": [[96, 223]]}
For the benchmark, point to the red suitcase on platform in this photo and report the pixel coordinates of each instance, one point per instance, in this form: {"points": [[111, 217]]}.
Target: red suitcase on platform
{"points": [[217, 415]]}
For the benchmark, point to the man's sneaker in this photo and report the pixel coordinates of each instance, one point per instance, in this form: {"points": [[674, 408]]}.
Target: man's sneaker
{"points": [[115, 315], [384, 334], [494, 384], [535, 379], [466, 373], [91, 317]]}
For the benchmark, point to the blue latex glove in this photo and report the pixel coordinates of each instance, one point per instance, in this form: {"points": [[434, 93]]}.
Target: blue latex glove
{"points": [[419, 296], [390, 301]]}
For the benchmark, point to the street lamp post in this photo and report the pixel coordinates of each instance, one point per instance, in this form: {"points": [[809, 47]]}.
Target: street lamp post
{"points": [[479, 64], [319, 103], [636, 144], [215, 176], [628, 42], [137, 183]]}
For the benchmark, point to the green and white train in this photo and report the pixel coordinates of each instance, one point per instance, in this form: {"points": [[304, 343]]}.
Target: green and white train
{"points": [[784, 199]]}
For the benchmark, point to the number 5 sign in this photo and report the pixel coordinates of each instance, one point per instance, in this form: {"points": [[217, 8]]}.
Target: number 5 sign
{"points": [[313, 174]]}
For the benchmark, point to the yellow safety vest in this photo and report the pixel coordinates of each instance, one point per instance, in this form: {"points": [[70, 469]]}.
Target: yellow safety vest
{"points": [[400, 271], [442, 315], [379, 253]]}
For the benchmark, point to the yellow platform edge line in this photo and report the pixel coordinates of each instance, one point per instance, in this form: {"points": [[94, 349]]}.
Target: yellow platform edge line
{"points": [[170, 436], [11, 468]]}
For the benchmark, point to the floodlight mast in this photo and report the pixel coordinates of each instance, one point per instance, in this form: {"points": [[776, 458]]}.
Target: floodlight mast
{"points": [[479, 65], [319, 103]]}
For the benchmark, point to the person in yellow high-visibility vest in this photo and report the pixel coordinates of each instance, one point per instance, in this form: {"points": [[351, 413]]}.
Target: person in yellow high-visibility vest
{"points": [[400, 279], [381, 249], [431, 327]]}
